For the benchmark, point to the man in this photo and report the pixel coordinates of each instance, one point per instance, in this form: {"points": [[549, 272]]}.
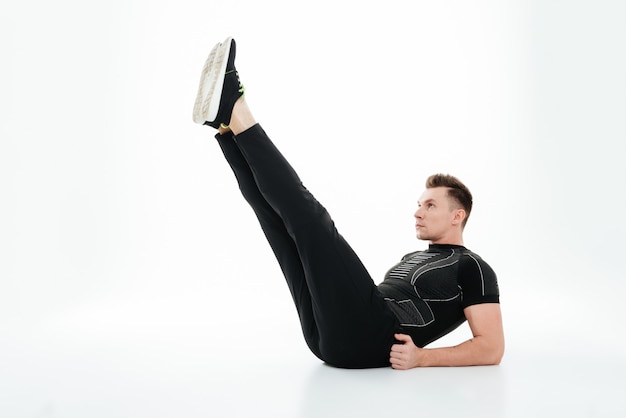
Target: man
{"points": [[347, 320]]}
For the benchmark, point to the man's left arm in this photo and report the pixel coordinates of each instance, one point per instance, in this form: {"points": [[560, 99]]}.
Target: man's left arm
{"points": [[485, 348]]}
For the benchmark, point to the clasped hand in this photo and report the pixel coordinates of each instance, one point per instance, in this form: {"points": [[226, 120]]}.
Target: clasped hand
{"points": [[405, 355]]}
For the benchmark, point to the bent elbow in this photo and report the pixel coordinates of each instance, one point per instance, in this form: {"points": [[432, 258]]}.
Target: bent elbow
{"points": [[497, 355], [492, 353], [497, 360]]}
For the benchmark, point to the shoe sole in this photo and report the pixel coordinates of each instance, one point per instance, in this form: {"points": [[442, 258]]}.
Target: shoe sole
{"points": [[211, 83]]}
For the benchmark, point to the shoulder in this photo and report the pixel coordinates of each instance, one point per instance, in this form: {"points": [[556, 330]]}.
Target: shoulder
{"points": [[477, 279], [471, 263]]}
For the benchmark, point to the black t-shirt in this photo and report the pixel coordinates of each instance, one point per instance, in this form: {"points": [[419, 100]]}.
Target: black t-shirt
{"points": [[428, 290]]}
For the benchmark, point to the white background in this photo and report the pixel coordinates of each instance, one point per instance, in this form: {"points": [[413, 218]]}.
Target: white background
{"points": [[134, 280]]}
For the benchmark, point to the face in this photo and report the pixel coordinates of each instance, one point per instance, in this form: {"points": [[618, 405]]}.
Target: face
{"points": [[435, 220]]}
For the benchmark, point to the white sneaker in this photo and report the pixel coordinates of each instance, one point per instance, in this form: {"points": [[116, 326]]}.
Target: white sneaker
{"points": [[219, 86]]}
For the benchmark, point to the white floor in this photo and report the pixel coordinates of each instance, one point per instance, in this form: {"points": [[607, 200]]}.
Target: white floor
{"points": [[180, 369], [106, 386]]}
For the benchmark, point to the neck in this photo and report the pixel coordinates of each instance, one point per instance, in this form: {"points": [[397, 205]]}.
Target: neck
{"points": [[450, 240]]}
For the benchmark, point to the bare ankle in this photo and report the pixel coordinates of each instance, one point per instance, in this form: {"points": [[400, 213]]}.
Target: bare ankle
{"points": [[241, 118]]}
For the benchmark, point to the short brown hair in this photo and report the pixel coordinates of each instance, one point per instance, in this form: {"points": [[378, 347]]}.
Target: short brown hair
{"points": [[456, 190]]}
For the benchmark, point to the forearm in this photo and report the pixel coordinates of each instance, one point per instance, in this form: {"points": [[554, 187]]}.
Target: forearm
{"points": [[479, 351], [486, 348]]}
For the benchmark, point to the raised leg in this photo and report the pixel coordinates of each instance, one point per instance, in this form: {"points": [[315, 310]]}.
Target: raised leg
{"points": [[281, 243]]}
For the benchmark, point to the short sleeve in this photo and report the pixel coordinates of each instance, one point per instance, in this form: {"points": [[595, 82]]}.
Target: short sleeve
{"points": [[478, 281]]}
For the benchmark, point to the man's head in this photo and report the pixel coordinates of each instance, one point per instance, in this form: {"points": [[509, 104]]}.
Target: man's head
{"points": [[443, 210]]}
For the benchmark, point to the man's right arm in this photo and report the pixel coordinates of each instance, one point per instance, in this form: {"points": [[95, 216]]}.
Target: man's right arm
{"points": [[485, 348]]}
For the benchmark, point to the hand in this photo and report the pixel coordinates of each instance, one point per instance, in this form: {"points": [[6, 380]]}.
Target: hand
{"points": [[405, 355]]}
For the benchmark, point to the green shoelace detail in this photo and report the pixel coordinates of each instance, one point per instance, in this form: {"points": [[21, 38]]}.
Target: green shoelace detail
{"points": [[241, 89]]}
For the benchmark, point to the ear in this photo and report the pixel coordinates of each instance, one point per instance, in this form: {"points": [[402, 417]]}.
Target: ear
{"points": [[459, 216]]}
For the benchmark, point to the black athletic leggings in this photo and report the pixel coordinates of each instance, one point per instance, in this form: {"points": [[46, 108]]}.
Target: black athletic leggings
{"points": [[345, 320]]}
